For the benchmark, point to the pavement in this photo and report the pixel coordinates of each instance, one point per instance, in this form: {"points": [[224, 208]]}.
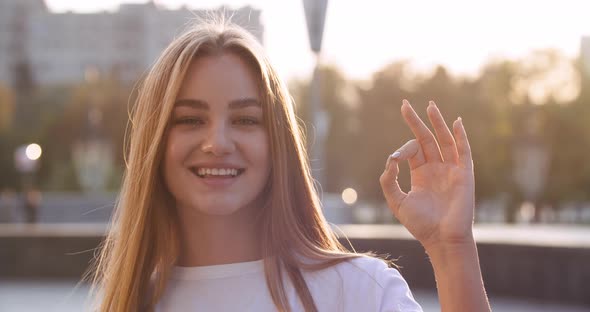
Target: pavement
{"points": [[67, 296]]}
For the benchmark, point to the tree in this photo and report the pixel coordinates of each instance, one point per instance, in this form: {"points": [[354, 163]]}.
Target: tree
{"points": [[6, 109], [338, 99], [381, 129], [94, 108]]}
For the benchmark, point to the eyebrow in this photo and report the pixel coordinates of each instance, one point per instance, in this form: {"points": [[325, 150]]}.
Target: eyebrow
{"points": [[234, 104]]}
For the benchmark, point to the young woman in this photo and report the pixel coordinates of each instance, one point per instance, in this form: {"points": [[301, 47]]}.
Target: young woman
{"points": [[218, 211]]}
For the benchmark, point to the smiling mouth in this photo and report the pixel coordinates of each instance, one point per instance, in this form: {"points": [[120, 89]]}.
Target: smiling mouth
{"points": [[195, 171]]}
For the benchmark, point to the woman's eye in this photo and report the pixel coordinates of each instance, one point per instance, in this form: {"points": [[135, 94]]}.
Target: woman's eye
{"points": [[247, 121], [192, 121]]}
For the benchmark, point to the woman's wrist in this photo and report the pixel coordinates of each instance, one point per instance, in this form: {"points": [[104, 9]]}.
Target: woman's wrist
{"points": [[449, 250], [458, 276]]}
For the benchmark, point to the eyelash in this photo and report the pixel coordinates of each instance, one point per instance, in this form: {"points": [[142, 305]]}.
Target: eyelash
{"points": [[187, 121], [193, 121]]}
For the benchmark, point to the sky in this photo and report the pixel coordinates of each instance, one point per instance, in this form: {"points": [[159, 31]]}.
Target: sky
{"points": [[360, 37]]}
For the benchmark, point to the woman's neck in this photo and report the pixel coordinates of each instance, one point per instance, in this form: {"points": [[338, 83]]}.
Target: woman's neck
{"points": [[211, 240]]}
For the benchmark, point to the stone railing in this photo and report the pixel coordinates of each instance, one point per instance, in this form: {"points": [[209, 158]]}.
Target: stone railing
{"points": [[543, 262]]}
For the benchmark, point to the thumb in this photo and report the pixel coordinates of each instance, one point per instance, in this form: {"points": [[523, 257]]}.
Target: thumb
{"points": [[388, 180]]}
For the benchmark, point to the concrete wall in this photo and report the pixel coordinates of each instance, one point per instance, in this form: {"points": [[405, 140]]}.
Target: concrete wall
{"points": [[47, 251], [556, 274]]}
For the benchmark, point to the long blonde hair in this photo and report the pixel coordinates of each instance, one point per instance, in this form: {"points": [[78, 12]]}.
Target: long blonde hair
{"points": [[142, 245]]}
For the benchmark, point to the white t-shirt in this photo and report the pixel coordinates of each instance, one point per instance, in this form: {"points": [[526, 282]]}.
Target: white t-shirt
{"points": [[359, 284]]}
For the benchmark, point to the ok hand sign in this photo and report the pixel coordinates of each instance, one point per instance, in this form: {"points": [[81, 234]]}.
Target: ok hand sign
{"points": [[438, 209]]}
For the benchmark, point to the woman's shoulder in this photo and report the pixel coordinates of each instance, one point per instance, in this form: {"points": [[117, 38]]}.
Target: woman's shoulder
{"points": [[364, 280], [367, 269], [360, 270]]}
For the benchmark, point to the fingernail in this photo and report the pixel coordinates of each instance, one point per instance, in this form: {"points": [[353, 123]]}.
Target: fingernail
{"points": [[431, 103], [395, 155], [405, 102], [460, 120]]}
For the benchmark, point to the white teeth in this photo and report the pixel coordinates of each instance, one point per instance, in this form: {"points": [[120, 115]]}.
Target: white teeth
{"points": [[217, 172]]}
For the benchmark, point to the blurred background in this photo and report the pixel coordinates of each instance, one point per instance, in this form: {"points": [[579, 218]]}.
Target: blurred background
{"points": [[518, 73]]}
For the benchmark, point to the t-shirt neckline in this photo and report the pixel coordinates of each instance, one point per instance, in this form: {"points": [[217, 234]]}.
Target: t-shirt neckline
{"points": [[217, 271]]}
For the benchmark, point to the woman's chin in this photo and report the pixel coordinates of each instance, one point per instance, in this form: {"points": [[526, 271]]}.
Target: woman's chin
{"points": [[212, 210], [218, 211]]}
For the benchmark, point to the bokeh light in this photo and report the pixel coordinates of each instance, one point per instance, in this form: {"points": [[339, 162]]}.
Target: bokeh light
{"points": [[349, 196], [33, 151]]}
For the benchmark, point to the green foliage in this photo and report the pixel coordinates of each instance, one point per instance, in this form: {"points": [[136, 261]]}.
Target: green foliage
{"points": [[366, 124], [336, 96], [6, 108], [57, 117], [496, 106]]}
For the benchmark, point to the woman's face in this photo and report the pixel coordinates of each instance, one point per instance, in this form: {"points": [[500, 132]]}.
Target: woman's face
{"points": [[217, 157]]}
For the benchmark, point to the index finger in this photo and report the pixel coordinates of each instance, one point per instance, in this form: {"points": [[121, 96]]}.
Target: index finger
{"points": [[463, 147], [422, 133]]}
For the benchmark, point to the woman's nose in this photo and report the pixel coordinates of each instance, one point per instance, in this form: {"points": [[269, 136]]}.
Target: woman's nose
{"points": [[218, 140]]}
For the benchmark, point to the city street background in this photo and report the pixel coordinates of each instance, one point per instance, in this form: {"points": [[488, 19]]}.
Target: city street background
{"points": [[518, 73]]}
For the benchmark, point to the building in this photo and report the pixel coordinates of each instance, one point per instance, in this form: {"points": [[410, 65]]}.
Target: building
{"points": [[585, 56], [14, 37], [45, 48]]}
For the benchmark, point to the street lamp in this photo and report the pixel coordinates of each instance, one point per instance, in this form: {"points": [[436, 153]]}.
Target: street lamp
{"points": [[93, 156], [92, 152], [26, 162], [315, 16], [531, 164]]}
